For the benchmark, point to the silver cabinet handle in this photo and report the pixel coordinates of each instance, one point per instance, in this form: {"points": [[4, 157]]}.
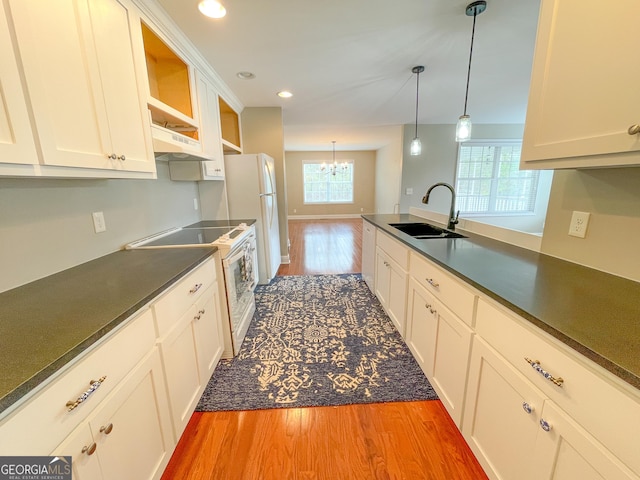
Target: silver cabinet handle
{"points": [[94, 385], [545, 425], [111, 156], [535, 364], [526, 407], [89, 449], [195, 288], [122, 157], [432, 282], [106, 429], [634, 129]]}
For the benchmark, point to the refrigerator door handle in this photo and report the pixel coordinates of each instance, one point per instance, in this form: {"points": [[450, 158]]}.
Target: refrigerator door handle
{"points": [[267, 195]]}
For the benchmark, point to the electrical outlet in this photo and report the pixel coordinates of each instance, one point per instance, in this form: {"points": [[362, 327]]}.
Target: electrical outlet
{"points": [[579, 223], [98, 222], [409, 191], [195, 204]]}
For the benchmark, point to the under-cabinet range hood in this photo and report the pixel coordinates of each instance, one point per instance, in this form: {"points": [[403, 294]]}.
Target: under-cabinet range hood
{"points": [[171, 145]]}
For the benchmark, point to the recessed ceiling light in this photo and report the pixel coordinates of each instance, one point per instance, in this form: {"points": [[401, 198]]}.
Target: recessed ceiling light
{"points": [[212, 9], [285, 94], [245, 75]]}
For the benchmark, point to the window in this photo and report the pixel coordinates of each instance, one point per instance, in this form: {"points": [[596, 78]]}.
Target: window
{"points": [[328, 184], [489, 181]]}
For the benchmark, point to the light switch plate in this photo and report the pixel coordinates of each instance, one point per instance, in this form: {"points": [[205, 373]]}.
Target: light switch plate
{"points": [[579, 223], [98, 222]]}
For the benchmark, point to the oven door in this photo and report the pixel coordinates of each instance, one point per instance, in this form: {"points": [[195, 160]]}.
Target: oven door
{"points": [[240, 280]]}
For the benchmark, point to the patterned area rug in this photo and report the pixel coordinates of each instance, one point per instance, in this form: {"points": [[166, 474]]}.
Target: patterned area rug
{"points": [[315, 341]]}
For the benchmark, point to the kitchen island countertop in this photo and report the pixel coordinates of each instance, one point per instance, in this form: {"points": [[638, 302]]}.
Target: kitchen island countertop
{"points": [[595, 313]]}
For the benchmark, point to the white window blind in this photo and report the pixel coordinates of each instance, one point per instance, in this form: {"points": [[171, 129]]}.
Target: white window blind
{"points": [[489, 181], [333, 184]]}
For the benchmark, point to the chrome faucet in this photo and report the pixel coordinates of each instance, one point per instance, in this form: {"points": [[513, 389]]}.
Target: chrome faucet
{"points": [[453, 219]]}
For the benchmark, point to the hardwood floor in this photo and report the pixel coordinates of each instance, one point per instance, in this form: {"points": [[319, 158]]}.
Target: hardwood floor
{"points": [[405, 440], [324, 246]]}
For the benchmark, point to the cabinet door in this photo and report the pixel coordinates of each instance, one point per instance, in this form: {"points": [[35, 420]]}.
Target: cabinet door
{"points": [[132, 427], [383, 277], [368, 254], [208, 333], [117, 39], [391, 288], [584, 96], [397, 303], [210, 127], [450, 360], [422, 326], [78, 61], [441, 343], [79, 445], [497, 424], [180, 361], [17, 144], [566, 452]]}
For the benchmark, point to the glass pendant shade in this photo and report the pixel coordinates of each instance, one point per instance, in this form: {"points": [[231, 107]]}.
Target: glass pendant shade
{"points": [[463, 128], [416, 147]]}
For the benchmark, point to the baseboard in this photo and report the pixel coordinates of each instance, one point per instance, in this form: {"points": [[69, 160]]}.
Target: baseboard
{"points": [[324, 217], [286, 259]]}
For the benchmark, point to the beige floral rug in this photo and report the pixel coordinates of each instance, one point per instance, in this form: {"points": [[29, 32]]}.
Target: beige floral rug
{"points": [[314, 341]]}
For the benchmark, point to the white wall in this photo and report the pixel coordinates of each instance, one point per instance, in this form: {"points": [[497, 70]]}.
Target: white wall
{"points": [[389, 172], [46, 224]]}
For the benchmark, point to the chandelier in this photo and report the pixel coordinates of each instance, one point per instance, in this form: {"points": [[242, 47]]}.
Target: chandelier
{"points": [[334, 168]]}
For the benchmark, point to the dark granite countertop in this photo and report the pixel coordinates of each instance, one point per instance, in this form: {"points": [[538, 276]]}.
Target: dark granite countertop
{"points": [[593, 312], [47, 323]]}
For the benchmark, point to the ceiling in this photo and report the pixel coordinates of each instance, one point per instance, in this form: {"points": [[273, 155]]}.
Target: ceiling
{"points": [[348, 62]]}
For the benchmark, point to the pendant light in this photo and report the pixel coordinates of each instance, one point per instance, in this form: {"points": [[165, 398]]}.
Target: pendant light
{"points": [[416, 146], [463, 128]]}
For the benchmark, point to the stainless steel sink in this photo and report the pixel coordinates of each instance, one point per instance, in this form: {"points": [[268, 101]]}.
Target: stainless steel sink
{"points": [[425, 230]]}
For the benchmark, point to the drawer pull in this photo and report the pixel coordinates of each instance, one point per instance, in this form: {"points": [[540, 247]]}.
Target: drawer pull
{"points": [[535, 364], [95, 384], [195, 288], [106, 430], [526, 407], [545, 425], [432, 282], [90, 449], [634, 130], [386, 264], [197, 317]]}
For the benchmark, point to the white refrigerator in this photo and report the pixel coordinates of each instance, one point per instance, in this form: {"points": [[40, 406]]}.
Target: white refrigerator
{"points": [[251, 193]]}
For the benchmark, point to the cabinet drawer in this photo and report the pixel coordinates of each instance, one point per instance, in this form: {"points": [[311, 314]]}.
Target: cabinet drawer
{"points": [[396, 250], [606, 411], [444, 286], [175, 302], [46, 415]]}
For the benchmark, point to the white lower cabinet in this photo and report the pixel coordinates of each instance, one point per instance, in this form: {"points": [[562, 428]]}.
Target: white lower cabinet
{"points": [[517, 432], [129, 434], [180, 361], [568, 452], [119, 409], [441, 344], [392, 260], [497, 424]]}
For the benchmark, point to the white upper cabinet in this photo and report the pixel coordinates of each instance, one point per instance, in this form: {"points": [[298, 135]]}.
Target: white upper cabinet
{"points": [[210, 125], [584, 100], [78, 61], [16, 138]]}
